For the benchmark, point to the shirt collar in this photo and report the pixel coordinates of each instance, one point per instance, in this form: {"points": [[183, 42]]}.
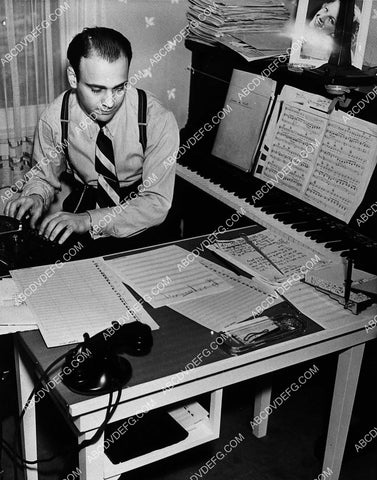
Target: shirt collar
{"points": [[91, 125], [111, 126], [129, 104]]}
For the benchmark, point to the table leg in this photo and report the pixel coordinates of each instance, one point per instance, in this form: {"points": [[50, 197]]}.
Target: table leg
{"points": [[25, 384], [91, 459], [262, 400], [347, 376], [215, 410]]}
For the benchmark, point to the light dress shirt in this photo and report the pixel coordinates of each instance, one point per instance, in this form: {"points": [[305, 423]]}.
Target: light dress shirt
{"points": [[153, 200]]}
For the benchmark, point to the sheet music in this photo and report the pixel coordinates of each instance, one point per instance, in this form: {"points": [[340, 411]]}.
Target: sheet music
{"points": [[244, 256], [235, 17], [157, 277], [345, 164], [334, 177], [324, 310], [82, 296], [288, 257], [218, 311], [332, 279], [295, 97], [300, 97], [297, 129]]}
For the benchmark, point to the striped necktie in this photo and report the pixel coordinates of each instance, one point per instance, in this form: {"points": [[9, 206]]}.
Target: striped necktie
{"points": [[108, 190]]}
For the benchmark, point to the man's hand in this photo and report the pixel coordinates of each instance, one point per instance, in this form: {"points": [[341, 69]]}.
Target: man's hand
{"points": [[17, 208], [54, 224]]}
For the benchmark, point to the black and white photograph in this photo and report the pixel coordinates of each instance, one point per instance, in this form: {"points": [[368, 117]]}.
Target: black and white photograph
{"points": [[188, 240], [315, 25]]}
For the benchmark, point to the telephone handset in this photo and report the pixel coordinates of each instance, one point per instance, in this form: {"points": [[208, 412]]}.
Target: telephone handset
{"points": [[105, 369]]}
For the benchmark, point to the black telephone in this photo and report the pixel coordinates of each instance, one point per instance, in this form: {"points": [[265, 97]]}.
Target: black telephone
{"points": [[105, 370]]}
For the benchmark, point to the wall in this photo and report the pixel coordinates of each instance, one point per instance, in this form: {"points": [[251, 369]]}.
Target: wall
{"points": [[149, 25]]}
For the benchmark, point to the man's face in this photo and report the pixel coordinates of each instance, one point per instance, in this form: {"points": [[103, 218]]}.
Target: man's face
{"points": [[325, 19], [101, 87]]}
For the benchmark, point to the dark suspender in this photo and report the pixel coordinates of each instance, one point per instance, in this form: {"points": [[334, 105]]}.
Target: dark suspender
{"points": [[142, 121], [64, 123], [142, 118]]}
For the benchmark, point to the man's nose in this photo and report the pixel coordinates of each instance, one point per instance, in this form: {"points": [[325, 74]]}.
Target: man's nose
{"points": [[109, 101]]}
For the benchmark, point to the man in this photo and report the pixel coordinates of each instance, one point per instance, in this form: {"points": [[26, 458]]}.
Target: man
{"points": [[118, 190]]}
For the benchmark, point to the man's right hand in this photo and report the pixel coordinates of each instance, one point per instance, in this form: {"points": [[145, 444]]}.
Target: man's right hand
{"points": [[19, 207]]}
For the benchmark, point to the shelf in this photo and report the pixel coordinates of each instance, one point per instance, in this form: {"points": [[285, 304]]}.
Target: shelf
{"points": [[204, 431]]}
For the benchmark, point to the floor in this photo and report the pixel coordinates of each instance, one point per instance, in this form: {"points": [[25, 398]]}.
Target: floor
{"points": [[291, 450]]}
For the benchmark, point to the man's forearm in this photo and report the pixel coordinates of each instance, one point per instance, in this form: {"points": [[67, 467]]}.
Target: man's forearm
{"points": [[131, 217]]}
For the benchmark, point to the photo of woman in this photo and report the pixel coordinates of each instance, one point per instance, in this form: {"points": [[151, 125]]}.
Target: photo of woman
{"points": [[320, 30], [315, 28]]}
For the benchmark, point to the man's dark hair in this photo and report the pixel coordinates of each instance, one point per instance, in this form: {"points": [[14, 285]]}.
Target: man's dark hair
{"points": [[104, 42]]}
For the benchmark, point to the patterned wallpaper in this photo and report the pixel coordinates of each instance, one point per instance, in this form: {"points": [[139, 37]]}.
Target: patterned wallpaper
{"points": [[151, 25]]}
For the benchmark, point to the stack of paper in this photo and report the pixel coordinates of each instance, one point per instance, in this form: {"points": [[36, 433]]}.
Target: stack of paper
{"points": [[203, 291], [14, 316], [81, 297], [218, 311], [232, 21], [8, 293], [256, 46]]}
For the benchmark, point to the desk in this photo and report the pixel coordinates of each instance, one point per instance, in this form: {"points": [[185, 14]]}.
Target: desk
{"points": [[173, 349]]}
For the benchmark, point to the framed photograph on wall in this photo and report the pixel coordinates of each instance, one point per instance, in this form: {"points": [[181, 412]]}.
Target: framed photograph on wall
{"points": [[315, 27]]}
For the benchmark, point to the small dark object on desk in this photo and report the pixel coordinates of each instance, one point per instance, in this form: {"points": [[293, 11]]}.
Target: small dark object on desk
{"points": [[105, 370], [348, 281], [21, 246]]}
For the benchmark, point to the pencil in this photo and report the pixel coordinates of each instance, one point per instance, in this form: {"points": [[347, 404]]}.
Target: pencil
{"points": [[260, 251], [348, 282]]}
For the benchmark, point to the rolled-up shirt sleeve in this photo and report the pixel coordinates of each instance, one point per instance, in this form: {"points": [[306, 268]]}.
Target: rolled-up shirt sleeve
{"points": [[150, 205], [48, 164]]}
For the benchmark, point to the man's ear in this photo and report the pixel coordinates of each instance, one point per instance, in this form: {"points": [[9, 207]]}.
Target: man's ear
{"points": [[72, 79]]}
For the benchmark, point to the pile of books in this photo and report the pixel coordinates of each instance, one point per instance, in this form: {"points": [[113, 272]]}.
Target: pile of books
{"points": [[239, 22]]}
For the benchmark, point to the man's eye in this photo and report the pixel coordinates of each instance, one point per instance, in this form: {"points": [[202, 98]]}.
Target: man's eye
{"points": [[95, 90]]}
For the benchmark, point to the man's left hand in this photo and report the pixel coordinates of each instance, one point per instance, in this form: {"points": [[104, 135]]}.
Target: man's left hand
{"points": [[65, 223]]}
